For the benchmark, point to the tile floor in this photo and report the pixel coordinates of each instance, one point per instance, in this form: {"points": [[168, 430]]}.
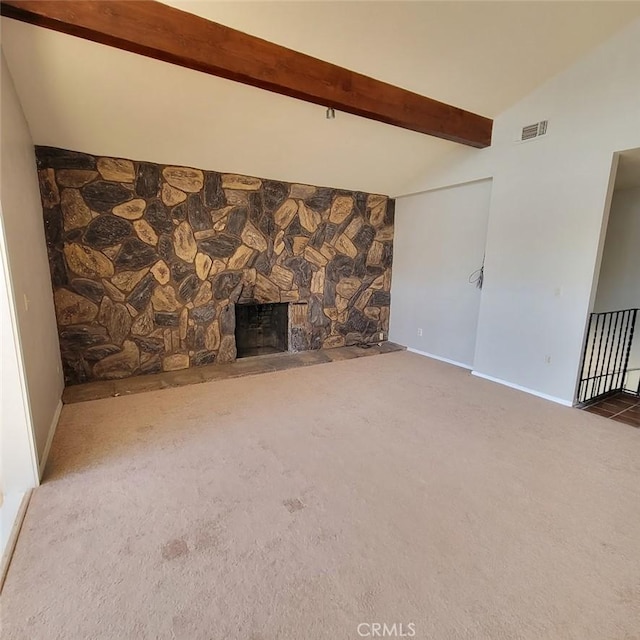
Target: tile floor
{"points": [[622, 407]]}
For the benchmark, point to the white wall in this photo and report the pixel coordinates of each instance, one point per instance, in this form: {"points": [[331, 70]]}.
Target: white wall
{"points": [[29, 268], [547, 213], [439, 240]]}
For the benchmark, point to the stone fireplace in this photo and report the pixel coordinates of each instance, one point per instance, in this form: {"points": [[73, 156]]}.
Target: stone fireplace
{"points": [[159, 268], [262, 329]]}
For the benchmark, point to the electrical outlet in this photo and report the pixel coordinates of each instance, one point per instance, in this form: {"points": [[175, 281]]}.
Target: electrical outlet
{"points": [[381, 336], [26, 302], [419, 332]]}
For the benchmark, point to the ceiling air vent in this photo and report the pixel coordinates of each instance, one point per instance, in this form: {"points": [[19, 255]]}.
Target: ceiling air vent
{"points": [[532, 131]]}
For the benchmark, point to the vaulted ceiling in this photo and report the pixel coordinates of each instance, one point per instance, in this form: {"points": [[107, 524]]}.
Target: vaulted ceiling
{"points": [[481, 56]]}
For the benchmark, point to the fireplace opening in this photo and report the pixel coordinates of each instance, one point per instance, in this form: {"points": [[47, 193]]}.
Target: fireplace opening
{"points": [[261, 329]]}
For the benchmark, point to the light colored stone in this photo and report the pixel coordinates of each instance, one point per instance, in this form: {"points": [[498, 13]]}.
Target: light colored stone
{"points": [[265, 290], [184, 243], [227, 350], [249, 276], [341, 209], [374, 257], [164, 299], [328, 251], [191, 180], [161, 272], [115, 317], [175, 340], [184, 323], [219, 225], [131, 210], [72, 308], [205, 234], [317, 282], [217, 266], [119, 365], [116, 170], [146, 232], [282, 277], [241, 257], [299, 245], [363, 299], [347, 287], [377, 207], [127, 280], [309, 219], [384, 318], [48, 188], [373, 313], [166, 336], [344, 245], [314, 257], [331, 313], [203, 264], [237, 198], [75, 177], [278, 243], [112, 252], [76, 213], [301, 191], [235, 181], [112, 292], [204, 294], [341, 306], [172, 196], [353, 227], [378, 283], [333, 341], [212, 336], [386, 283], [253, 238], [385, 234], [286, 213], [290, 296], [175, 362], [87, 262], [218, 214], [132, 310]]}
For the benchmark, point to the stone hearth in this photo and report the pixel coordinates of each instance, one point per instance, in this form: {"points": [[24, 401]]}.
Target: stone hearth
{"points": [[149, 261]]}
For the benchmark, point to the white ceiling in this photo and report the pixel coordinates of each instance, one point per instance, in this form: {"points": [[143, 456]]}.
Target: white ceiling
{"points": [[481, 56], [628, 175]]}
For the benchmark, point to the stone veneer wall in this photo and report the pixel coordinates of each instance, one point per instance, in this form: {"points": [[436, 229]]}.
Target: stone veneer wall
{"points": [[147, 262]]}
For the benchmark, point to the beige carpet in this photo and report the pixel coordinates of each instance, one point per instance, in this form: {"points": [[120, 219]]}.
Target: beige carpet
{"points": [[302, 503]]}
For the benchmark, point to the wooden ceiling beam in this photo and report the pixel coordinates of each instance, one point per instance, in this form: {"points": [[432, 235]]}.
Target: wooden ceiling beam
{"points": [[162, 32]]}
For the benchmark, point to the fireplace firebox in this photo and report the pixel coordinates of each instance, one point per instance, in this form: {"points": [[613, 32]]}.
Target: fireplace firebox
{"points": [[261, 329]]}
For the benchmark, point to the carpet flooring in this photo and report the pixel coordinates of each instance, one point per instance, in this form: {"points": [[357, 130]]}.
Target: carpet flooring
{"points": [[303, 503]]}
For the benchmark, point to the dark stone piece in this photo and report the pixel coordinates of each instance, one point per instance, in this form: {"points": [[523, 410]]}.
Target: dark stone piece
{"points": [[75, 369], [180, 270], [302, 271], [360, 265], [364, 238], [153, 365], [236, 221], [221, 246], [262, 264], [59, 275], [79, 337], [204, 314], [296, 229], [141, 294], [267, 226], [299, 339], [105, 231], [228, 320], [380, 299], [53, 226], [199, 337], [273, 195], [318, 334], [88, 288], [390, 215], [318, 238], [203, 357], [225, 284], [360, 202], [330, 231], [158, 217], [102, 196], [167, 318], [357, 322], [373, 271], [75, 235], [316, 314], [199, 219], [135, 254], [165, 248], [329, 293], [50, 157], [149, 345], [93, 354], [188, 287], [339, 267], [148, 180], [321, 200], [179, 213], [213, 193], [387, 255]]}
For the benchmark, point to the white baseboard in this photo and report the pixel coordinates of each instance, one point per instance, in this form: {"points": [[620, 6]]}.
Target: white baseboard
{"points": [[13, 510], [447, 360], [52, 432], [511, 385]]}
